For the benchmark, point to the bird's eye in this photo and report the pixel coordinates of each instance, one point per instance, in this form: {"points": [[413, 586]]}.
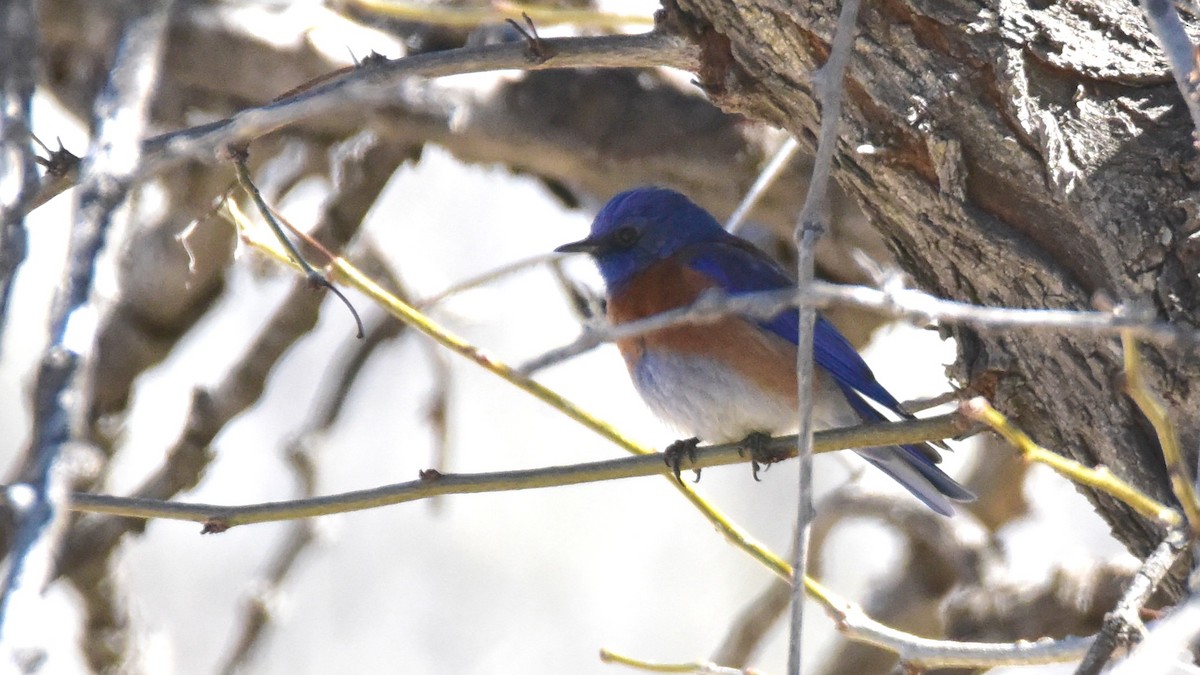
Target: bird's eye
{"points": [[625, 237]]}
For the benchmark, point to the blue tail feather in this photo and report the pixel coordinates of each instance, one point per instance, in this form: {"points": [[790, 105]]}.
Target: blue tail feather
{"points": [[914, 457]]}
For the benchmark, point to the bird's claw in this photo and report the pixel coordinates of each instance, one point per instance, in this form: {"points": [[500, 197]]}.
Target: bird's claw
{"points": [[673, 456], [762, 456]]}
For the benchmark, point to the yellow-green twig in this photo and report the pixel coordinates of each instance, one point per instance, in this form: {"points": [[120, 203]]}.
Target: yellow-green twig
{"points": [[1100, 478], [469, 17], [1156, 411], [433, 484], [703, 667]]}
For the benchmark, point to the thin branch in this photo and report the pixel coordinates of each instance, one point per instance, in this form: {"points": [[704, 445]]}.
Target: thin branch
{"points": [[1164, 22], [814, 221], [120, 114], [1156, 411], [1123, 624], [18, 161], [316, 279], [496, 12], [61, 173], [433, 483], [808, 233], [698, 667], [1099, 478], [916, 306], [487, 278], [765, 179], [378, 83], [1168, 647], [940, 554], [925, 653]]}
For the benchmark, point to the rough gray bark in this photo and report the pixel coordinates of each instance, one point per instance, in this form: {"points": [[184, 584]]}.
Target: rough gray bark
{"points": [[1027, 156]]}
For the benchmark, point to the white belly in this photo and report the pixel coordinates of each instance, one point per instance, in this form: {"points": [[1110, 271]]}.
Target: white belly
{"points": [[716, 404]]}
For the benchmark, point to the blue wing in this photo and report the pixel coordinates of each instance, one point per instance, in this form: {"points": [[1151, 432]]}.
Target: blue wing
{"points": [[737, 267], [740, 268]]}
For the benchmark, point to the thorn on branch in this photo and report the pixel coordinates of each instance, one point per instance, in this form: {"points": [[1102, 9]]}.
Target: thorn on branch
{"points": [[239, 153], [371, 60], [318, 281], [215, 525], [537, 50], [429, 475], [60, 162], [368, 61]]}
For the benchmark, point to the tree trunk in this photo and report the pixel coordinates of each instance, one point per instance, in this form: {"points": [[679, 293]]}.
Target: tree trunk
{"points": [[1025, 155]]}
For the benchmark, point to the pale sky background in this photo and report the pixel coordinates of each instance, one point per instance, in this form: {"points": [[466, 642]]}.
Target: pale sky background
{"points": [[527, 582]]}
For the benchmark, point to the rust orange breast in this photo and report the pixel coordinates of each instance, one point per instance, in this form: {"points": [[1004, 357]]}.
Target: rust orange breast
{"points": [[759, 356]]}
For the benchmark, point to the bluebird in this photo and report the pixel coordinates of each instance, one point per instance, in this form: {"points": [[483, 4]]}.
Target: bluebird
{"points": [[733, 379]]}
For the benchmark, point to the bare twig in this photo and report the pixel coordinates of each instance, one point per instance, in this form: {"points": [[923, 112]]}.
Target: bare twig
{"points": [[912, 305], [807, 234], [377, 84], [1123, 625], [495, 12], [918, 652], [1155, 410], [61, 172], [1098, 478], [433, 483], [1163, 19], [814, 221], [765, 179], [695, 667], [120, 113], [487, 278], [315, 278], [1168, 647], [18, 162]]}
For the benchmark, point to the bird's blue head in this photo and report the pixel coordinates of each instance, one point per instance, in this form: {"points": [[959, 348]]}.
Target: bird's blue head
{"points": [[640, 227]]}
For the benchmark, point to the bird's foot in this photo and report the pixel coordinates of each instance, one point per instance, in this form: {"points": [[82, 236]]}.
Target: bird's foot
{"points": [[762, 456], [674, 453]]}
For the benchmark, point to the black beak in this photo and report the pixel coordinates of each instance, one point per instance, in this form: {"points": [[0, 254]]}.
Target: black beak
{"points": [[582, 246]]}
